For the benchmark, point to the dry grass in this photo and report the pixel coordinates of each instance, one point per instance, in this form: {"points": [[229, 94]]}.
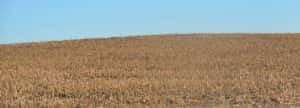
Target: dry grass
{"points": [[215, 70]]}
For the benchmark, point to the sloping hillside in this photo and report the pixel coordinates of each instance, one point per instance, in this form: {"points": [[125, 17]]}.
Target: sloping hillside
{"points": [[198, 70]]}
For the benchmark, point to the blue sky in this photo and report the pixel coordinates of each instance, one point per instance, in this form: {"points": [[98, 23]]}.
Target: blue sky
{"points": [[41, 20]]}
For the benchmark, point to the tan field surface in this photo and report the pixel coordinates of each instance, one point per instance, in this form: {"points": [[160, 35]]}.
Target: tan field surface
{"points": [[188, 70]]}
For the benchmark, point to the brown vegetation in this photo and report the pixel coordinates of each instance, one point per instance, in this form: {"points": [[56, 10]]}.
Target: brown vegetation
{"points": [[198, 70]]}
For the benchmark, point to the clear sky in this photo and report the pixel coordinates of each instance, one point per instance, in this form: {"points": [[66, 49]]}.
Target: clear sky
{"points": [[41, 20]]}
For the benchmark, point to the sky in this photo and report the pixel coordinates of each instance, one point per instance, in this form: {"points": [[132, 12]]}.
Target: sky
{"points": [[44, 20]]}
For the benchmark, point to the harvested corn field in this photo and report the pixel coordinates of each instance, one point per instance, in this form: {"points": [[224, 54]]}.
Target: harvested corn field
{"points": [[188, 70]]}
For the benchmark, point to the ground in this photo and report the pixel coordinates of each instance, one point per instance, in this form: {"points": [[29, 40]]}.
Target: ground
{"points": [[188, 70]]}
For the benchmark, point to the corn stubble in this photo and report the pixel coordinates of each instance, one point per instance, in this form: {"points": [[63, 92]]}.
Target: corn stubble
{"points": [[192, 70]]}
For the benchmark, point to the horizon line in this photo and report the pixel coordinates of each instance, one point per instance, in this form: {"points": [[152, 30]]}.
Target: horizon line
{"points": [[140, 35]]}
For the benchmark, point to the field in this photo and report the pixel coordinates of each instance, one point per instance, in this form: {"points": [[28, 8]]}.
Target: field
{"points": [[188, 70]]}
